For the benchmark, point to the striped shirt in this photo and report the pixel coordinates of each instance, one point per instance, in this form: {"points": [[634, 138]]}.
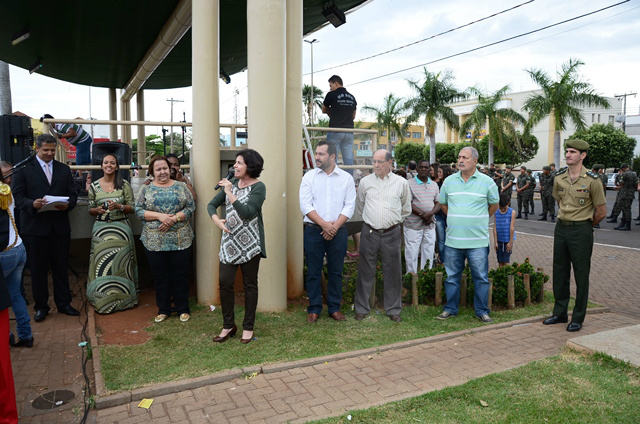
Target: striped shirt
{"points": [[423, 197], [468, 209], [81, 135], [384, 202]]}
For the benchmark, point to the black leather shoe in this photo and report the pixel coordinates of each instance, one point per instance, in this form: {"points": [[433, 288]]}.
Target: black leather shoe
{"points": [[555, 320], [24, 342], [360, 317], [40, 315], [574, 326], [395, 318], [221, 339], [69, 310]]}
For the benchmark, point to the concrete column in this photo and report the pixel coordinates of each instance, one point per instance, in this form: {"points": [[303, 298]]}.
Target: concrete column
{"points": [[205, 154], [113, 114], [267, 132], [125, 115], [295, 258], [142, 141]]}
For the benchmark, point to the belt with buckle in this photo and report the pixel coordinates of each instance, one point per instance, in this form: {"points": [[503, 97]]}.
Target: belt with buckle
{"points": [[382, 231], [564, 222]]}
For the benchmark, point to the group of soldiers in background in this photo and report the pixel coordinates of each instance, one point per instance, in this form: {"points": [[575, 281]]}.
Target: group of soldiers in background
{"points": [[626, 184]]}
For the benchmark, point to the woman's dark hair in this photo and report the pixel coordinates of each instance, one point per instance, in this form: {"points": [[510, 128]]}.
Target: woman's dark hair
{"points": [[435, 166], [253, 160], [446, 171], [156, 159], [118, 181], [400, 172]]}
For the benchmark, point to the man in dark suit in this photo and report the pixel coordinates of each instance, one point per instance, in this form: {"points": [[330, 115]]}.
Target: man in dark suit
{"points": [[47, 235]]}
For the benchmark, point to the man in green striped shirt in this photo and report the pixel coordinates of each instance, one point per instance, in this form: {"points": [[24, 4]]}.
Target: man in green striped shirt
{"points": [[468, 198]]}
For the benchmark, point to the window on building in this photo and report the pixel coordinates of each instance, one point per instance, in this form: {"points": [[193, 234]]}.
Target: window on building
{"points": [[384, 133], [611, 118], [407, 134], [364, 146], [394, 136], [598, 118], [416, 135], [593, 118]]}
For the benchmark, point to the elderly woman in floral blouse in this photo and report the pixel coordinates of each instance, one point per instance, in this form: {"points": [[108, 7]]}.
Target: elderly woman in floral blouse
{"points": [[164, 207]]}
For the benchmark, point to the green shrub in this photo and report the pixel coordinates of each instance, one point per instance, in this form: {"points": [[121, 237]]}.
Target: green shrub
{"points": [[500, 282]]}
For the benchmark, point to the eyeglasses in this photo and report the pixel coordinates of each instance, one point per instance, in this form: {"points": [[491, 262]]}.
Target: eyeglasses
{"points": [[378, 162]]}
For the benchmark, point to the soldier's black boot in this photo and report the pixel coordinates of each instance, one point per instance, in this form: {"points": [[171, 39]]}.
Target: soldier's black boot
{"points": [[544, 217], [553, 218], [519, 215], [626, 226], [610, 215], [621, 225], [540, 214], [637, 219], [526, 215], [613, 219]]}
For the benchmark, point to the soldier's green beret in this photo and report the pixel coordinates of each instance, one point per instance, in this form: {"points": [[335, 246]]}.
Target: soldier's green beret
{"points": [[546, 168], [577, 144], [596, 167], [552, 164], [508, 167], [523, 167], [624, 165], [529, 171]]}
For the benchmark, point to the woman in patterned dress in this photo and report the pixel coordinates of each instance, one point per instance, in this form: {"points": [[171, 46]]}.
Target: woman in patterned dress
{"points": [[165, 207], [113, 273], [242, 242]]}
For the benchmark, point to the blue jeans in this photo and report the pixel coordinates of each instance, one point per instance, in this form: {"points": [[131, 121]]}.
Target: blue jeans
{"points": [[83, 152], [344, 143], [441, 234], [12, 262], [315, 247], [454, 265]]}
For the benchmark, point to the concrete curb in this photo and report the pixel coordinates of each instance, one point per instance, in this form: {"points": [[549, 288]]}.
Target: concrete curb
{"points": [[106, 401]]}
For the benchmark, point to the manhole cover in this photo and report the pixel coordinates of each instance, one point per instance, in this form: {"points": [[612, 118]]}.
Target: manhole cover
{"points": [[53, 399]]}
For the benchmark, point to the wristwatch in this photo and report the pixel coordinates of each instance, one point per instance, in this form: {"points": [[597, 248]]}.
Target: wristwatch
{"points": [[121, 207]]}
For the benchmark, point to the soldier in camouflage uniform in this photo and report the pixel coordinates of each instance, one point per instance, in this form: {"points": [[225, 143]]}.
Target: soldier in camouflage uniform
{"points": [[506, 185], [546, 191], [597, 169], [522, 184], [529, 192], [553, 169], [628, 183], [613, 217], [495, 174]]}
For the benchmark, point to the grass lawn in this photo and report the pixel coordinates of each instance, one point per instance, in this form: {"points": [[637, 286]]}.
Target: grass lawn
{"points": [[181, 350], [568, 388]]}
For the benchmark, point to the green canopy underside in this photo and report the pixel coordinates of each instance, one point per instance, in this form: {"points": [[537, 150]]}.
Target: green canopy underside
{"points": [[100, 43]]}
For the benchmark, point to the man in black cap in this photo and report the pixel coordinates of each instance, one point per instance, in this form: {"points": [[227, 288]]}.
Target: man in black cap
{"points": [[581, 206], [546, 194], [522, 184]]}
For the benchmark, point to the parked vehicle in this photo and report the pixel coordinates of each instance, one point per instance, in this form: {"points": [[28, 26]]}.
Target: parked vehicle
{"points": [[611, 180], [536, 175]]}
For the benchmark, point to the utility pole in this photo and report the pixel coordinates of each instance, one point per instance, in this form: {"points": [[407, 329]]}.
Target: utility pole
{"points": [[236, 93], [312, 93], [172, 100], [624, 108]]}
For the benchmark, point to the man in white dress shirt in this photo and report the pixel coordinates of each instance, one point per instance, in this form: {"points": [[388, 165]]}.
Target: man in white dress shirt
{"points": [[327, 201], [385, 201]]}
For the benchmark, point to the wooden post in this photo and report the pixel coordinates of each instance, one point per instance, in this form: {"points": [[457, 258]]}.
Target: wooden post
{"points": [[463, 290], [490, 301], [511, 295], [527, 287], [414, 289], [540, 296], [438, 299]]}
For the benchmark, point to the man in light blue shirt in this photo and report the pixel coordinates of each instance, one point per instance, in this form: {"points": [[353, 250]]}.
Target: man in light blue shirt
{"points": [[468, 198]]}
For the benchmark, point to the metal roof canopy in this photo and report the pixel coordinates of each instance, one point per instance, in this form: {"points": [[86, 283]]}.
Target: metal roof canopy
{"points": [[101, 43]]}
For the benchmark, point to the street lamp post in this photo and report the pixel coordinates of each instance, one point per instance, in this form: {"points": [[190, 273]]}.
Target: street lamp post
{"points": [[315, 40]]}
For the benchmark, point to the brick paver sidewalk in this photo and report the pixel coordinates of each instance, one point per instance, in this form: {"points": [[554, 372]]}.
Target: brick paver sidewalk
{"points": [[303, 393]]}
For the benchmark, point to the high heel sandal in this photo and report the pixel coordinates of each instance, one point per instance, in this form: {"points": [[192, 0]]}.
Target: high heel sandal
{"points": [[220, 339]]}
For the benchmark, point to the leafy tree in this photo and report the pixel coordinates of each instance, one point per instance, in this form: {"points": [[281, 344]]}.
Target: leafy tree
{"points": [[636, 165], [561, 100], [607, 145], [501, 121], [389, 117], [527, 150], [154, 143], [409, 151], [448, 152], [431, 99], [310, 99]]}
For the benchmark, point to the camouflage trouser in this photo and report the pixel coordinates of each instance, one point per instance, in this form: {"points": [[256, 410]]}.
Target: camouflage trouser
{"points": [[625, 206], [548, 204], [529, 196], [522, 199], [616, 206]]}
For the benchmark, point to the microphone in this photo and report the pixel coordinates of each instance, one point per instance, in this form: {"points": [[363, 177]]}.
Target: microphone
{"points": [[230, 175], [24, 161]]}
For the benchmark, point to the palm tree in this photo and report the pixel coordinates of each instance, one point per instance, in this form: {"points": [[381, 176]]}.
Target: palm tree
{"points": [[310, 100], [431, 100], [389, 117], [561, 100], [501, 121]]}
